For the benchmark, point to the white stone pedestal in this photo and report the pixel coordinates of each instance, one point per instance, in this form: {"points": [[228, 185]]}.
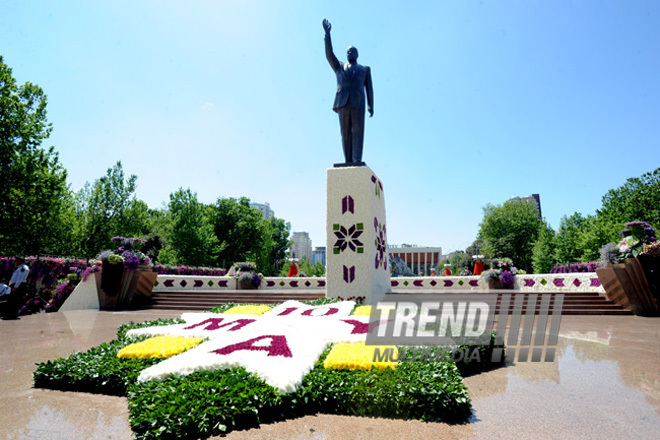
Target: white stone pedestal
{"points": [[357, 261]]}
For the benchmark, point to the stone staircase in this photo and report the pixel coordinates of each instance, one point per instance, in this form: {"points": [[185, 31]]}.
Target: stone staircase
{"points": [[575, 303], [579, 303], [207, 299]]}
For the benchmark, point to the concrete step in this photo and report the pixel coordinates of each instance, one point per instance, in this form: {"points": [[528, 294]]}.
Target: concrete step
{"points": [[575, 303]]}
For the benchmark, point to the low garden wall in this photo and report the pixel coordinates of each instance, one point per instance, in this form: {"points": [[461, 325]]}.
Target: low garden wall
{"points": [[558, 282], [555, 283], [165, 282]]}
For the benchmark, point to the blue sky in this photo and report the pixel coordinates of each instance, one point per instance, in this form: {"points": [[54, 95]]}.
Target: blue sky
{"points": [[475, 101]]}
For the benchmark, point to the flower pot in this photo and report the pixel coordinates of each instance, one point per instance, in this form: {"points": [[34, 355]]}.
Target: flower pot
{"points": [[246, 285], [613, 283], [146, 282], [626, 284], [651, 267], [116, 288], [497, 284]]}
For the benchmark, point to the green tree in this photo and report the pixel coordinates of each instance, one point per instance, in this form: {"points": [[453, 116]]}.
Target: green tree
{"points": [[568, 239], [109, 208], [597, 232], [275, 246], [544, 251], [160, 227], [239, 230], [67, 229], [312, 270], [637, 199], [511, 230], [32, 181], [192, 237]]}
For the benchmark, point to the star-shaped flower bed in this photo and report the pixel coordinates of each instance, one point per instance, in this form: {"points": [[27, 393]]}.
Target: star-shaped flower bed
{"points": [[209, 373]]}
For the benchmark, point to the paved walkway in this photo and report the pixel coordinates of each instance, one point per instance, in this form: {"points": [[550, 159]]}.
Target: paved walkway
{"points": [[604, 384]]}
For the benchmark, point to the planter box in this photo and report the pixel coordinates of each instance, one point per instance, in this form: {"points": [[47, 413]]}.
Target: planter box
{"points": [[651, 267], [497, 284], [626, 284], [246, 285], [118, 291]]}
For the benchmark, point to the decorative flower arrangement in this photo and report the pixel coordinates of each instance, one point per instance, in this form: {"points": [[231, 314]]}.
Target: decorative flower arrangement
{"points": [[246, 273], [281, 346], [589, 266], [62, 292], [502, 269], [47, 280], [286, 348], [171, 269], [652, 249], [159, 347], [357, 299], [358, 356], [126, 254], [635, 236], [362, 310], [249, 309]]}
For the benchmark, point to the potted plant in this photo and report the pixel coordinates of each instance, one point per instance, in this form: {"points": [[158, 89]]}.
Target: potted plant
{"points": [[246, 276], [121, 270], [501, 275]]}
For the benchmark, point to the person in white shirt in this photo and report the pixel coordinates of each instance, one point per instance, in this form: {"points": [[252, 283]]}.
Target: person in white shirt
{"points": [[4, 288], [5, 291], [18, 286]]}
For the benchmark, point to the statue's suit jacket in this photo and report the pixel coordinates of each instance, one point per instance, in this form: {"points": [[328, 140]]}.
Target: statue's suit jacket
{"points": [[351, 81]]}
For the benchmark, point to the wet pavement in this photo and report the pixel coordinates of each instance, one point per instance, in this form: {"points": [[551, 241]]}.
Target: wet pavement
{"points": [[604, 384]]}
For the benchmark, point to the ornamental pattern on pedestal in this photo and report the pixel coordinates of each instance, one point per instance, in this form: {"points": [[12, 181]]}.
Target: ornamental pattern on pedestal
{"points": [[347, 205], [349, 274], [381, 245], [348, 238], [378, 186]]}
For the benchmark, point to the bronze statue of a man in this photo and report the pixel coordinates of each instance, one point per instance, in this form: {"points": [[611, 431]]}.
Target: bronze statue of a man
{"points": [[352, 80]]}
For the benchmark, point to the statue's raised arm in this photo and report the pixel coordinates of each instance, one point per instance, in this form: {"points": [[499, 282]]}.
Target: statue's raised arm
{"points": [[329, 54]]}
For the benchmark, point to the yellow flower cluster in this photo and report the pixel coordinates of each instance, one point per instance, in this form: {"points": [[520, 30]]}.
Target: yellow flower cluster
{"points": [[159, 347], [248, 310], [358, 356], [362, 310]]}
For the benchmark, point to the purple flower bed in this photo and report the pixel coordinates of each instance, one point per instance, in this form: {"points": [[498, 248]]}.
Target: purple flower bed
{"points": [[44, 271], [46, 293], [41, 283], [590, 266], [162, 269]]}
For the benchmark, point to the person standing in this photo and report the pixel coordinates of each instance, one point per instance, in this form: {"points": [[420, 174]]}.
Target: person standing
{"points": [[18, 286]]}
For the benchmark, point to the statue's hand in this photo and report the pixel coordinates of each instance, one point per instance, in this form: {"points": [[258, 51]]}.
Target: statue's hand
{"points": [[371, 112], [326, 25]]}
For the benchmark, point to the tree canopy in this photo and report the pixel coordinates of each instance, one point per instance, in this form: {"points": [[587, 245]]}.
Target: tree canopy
{"points": [[510, 230], [32, 181]]}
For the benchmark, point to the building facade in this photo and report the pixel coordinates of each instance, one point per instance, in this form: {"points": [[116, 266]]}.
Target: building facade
{"points": [[318, 256], [302, 245], [265, 209], [421, 260]]}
